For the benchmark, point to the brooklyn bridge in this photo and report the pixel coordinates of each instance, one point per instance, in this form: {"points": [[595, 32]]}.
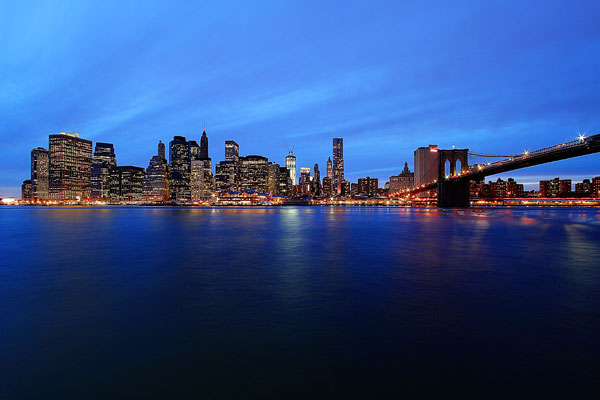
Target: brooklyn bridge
{"points": [[454, 174]]}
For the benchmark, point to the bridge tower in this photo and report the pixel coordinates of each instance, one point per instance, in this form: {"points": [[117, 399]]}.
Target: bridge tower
{"points": [[453, 193]]}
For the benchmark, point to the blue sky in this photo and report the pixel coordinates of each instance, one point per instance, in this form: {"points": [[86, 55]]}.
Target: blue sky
{"points": [[388, 77]]}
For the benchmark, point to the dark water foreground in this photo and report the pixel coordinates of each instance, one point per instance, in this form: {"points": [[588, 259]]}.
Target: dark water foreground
{"points": [[317, 301]]}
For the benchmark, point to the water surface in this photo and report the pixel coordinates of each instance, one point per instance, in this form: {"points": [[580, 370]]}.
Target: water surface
{"points": [[160, 302]]}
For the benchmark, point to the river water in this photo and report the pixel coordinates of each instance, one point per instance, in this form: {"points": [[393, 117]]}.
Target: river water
{"points": [[147, 302]]}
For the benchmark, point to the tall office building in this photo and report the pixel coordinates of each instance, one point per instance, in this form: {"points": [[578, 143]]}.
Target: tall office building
{"points": [[329, 168], [161, 150], [426, 167], [194, 150], [204, 146], [155, 186], [232, 151], [338, 164], [26, 190], [226, 175], [305, 181], [316, 180], [254, 173], [104, 159], [126, 183], [290, 163], [179, 157], [70, 167], [368, 186], [285, 182], [197, 180], [40, 169]]}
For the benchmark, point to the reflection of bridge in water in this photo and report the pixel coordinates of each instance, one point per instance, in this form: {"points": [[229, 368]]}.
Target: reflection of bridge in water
{"points": [[453, 186]]}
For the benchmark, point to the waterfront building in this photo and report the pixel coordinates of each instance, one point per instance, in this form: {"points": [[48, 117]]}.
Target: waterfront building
{"points": [[26, 190], [226, 175], [496, 190], [70, 167], [197, 181], [368, 186], [426, 167], [329, 169], [285, 182], [290, 163], [346, 189], [305, 181], [179, 157], [126, 183], [338, 165], [161, 150], [155, 186], [596, 187], [104, 159], [273, 178], [327, 186], [353, 189], [555, 188], [40, 170], [254, 172], [406, 180], [232, 151], [584, 188]]}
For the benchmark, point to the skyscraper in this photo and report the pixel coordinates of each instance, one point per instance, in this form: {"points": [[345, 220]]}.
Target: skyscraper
{"points": [[290, 163], [40, 169], [104, 159], [155, 186], [70, 167], [161, 150], [26, 194], [316, 180], [179, 157], [254, 173], [338, 164], [232, 151], [204, 146], [197, 180], [426, 167], [126, 183], [329, 168], [194, 150]]}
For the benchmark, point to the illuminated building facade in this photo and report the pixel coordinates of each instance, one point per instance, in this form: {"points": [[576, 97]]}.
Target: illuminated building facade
{"points": [[329, 169], [290, 163], [327, 186], [179, 157], [556, 188], [26, 190], [226, 175], [232, 151], [104, 159], [305, 181], [254, 173], [368, 186], [338, 165], [194, 150], [70, 167], [405, 180], [426, 167], [40, 173], [273, 178], [126, 183], [197, 180], [155, 186], [285, 182]]}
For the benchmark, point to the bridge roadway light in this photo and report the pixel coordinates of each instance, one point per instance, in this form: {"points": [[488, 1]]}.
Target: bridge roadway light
{"points": [[581, 137]]}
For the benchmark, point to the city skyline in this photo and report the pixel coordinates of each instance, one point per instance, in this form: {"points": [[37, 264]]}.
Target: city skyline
{"points": [[413, 76]]}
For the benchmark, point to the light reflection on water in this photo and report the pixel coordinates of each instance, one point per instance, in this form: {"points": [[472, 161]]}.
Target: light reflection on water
{"points": [[194, 298]]}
